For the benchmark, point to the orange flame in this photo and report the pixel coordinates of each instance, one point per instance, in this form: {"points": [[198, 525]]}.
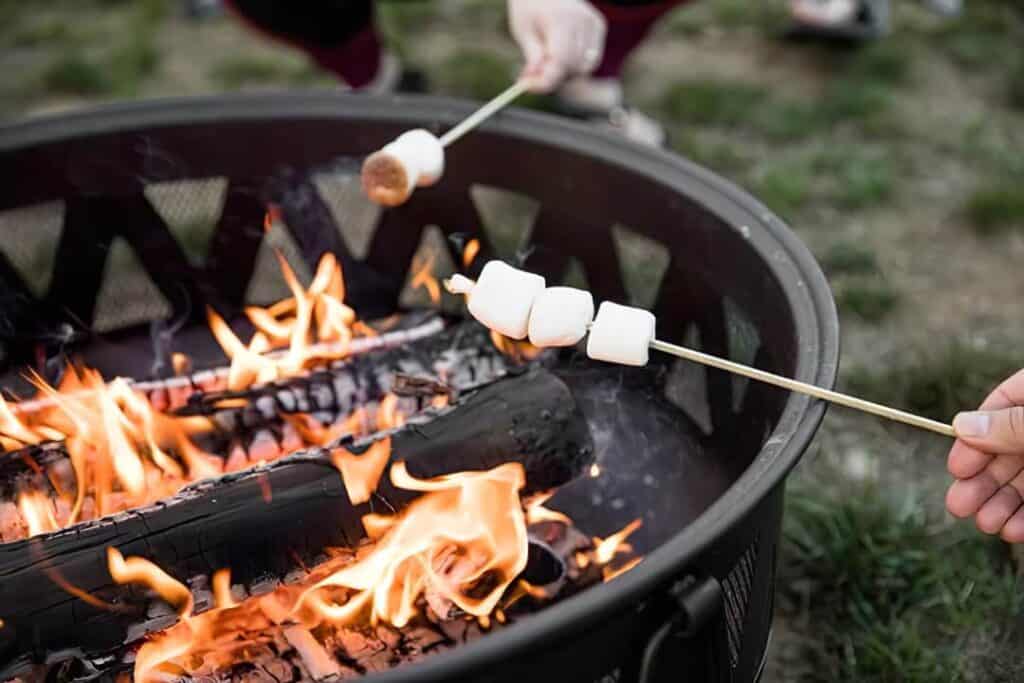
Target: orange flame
{"points": [[119, 449], [470, 252], [461, 545], [423, 277], [313, 326], [611, 546], [181, 363], [518, 350]]}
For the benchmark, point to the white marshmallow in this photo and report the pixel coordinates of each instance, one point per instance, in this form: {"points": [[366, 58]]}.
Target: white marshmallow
{"points": [[560, 316], [503, 297], [421, 153], [621, 334]]}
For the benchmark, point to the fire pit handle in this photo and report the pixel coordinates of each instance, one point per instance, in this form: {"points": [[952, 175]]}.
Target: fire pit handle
{"points": [[697, 602]]}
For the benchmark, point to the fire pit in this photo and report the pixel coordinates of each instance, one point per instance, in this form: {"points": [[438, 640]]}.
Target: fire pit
{"points": [[698, 456]]}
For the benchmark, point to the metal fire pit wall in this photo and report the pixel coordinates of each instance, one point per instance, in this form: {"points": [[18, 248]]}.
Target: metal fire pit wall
{"points": [[719, 270]]}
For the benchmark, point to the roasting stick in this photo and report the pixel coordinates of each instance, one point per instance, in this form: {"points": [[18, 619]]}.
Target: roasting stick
{"points": [[517, 304], [804, 388], [483, 113]]}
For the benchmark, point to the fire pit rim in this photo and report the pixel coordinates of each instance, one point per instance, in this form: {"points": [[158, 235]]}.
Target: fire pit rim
{"points": [[808, 295]]}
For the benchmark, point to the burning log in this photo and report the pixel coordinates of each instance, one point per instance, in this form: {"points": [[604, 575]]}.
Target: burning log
{"points": [[268, 522], [262, 423]]}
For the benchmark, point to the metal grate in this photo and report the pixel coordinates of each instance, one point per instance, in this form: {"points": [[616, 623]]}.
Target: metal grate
{"points": [[736, 591]]}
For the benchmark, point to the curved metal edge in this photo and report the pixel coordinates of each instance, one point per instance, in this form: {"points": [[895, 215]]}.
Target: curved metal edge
{"points": [[809, 294]]}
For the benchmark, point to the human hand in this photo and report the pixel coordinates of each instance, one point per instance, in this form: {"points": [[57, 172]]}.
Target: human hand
{"points": [[988, 463], [559, 38]]}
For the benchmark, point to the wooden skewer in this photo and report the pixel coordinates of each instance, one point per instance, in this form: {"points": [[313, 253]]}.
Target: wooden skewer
{"points": [[804, 388], [483, 113]]}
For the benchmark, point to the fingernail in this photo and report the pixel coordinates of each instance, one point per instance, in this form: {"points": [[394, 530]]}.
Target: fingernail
{"points": [[972, 424]]}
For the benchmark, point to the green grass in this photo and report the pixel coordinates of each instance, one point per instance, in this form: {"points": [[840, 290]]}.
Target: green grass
{"points": [[996, 209], [75, 74], [784, 188], [477, 74], [936, 383], [849, 258], [863, 181], [890, 594], [870, 300], [42, 33], [1015, 86], [131, 63], [238, 72], [888, 62], [719, 103]]}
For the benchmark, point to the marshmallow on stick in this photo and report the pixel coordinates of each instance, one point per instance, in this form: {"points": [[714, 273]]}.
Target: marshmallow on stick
{"points": [[512, 300], [414, 159]]}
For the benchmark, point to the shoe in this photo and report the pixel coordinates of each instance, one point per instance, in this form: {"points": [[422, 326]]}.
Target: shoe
{"points": [[600, 101], [849, 21]]}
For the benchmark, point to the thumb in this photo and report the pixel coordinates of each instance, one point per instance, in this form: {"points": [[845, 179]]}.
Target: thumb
{"points": [[993, 431]]}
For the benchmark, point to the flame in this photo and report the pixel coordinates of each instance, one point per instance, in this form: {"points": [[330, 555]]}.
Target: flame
{"points": [[181, 363], [272, 216], [423, 277], [606, 549], [122, 453], [313, 326], [518, 350], [470, 252], [537, 513], [460, 545], [361, 472]]}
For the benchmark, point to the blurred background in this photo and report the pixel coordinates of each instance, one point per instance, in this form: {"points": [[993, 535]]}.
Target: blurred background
{"points": [[896, 153]]}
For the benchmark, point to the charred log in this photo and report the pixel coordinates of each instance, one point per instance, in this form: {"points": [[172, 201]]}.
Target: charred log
{"points": [[268, 522]]}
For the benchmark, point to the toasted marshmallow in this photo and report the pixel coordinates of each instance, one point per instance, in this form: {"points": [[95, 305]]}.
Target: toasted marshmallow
{"points": [[414, 159]]}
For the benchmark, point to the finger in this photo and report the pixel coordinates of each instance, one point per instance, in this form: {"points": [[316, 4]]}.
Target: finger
{"points": [[1009, 393], [532, 46], [993, 431], [1013, 530], [966, 496], [966, 461], [593, 45], [548, 77], [998, 509]]}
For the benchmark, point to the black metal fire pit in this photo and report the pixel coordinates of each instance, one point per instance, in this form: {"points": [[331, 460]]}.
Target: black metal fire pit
{"points": [[703, 461]]}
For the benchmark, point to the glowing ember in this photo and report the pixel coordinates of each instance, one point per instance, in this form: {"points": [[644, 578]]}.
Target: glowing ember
{"points": [[470, 252]]}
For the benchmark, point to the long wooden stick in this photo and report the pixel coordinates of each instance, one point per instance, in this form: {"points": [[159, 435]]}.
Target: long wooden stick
{"points": [[804, 388], [483, 113]]}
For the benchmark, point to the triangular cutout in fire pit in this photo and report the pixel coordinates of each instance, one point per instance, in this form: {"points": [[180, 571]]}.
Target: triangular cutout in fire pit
{"points": [[127, 295], [266, 285], [190, 209], [643, 263], [431, 263], [30, 238], [507, 218]]}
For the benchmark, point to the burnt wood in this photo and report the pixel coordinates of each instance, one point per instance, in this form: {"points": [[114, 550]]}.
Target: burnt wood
{"points": [[269, 521]]}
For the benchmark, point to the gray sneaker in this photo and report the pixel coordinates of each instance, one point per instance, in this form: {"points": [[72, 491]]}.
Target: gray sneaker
{"points": [[599, 101]]}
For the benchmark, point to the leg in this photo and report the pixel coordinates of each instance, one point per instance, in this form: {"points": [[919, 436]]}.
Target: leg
{"points": [[628, 26], [339, 35]]}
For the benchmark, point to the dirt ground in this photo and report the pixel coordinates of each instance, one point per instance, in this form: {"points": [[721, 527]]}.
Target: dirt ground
{"points": [[901, 164]]}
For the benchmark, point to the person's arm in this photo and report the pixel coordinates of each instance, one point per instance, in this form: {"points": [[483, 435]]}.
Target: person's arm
{"points": [[988, 463]]}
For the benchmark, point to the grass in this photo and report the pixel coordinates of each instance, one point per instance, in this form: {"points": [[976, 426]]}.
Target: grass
{"points": [[869, 300], [784, 188], [41, 33], [234, 73], [996, 209], [849, 258], [719, 103], [890, 594], [75, 74], [938, 383], [474, 73]]}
